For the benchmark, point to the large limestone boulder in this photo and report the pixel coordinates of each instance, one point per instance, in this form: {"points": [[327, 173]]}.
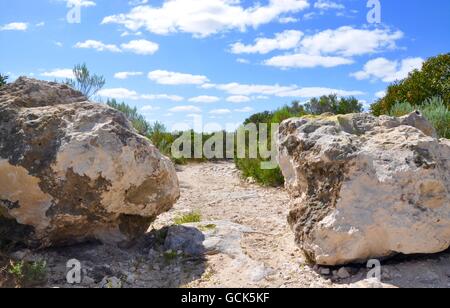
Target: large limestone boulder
{"points": [[73, 170], [365, 187]]}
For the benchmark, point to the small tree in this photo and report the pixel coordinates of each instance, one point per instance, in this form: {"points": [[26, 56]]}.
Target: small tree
{"points": [[433, 79], [348, 105], [322, 105], [3, 79], [132, 114], [84, 82], [331, 103]]}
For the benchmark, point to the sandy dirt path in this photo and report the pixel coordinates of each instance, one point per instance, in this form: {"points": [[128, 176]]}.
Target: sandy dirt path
{"points": [[218, 193], [242, 240]]}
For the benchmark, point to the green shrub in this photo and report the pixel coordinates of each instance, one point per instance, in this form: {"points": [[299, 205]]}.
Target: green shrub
{"points": [[437, 112], [28, 273], [192, 217], [3, 80], [84, 82], [138, 121], [433, 79], [251, 168], [333, 104], [433, 109], [170, 256], [401, 109]]}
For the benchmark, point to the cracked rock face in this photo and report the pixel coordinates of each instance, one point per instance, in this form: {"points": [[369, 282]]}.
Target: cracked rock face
{"points": [[72, 170], [364, 187]]}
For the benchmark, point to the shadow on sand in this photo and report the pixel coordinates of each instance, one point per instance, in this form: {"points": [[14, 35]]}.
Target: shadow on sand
{"points": [[153, 261]]}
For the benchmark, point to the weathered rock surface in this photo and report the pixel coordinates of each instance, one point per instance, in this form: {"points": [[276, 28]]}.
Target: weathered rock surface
{"points": [[364, 187], [72, 170]]}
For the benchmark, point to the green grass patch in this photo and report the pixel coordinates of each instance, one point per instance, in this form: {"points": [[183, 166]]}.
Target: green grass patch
{"points": [[192, 217], [434, 110], [170, 255], [209, 227], [28, 273]]}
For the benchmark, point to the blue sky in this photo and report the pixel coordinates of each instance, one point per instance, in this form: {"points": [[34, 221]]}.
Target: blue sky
{"points": [[223, 59]]}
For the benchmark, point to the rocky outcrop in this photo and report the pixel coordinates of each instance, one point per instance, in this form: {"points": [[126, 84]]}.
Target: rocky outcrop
{"points": [[73, 170], [365, 187]]}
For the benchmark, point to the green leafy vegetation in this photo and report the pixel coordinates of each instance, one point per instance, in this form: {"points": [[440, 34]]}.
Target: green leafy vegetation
{"points": [[158, 134], [28, 273], [192, 217], [400, 109], [333, 104], [433, 109], [209, 227], [251, 167], [138, 121], [85, 82], [3, 80], [432, 80], [170, 256]]}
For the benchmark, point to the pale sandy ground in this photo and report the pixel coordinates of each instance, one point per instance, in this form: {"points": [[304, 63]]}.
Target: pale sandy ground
{"points": [[251, 242]]}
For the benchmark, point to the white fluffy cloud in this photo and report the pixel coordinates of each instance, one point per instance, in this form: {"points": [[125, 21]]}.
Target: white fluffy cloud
{"points": [[241, 92], [175, 78], [328, 5], [187, 108], [220, 111], [309, 92], [59, 73], [126, 75], [149, 109], [126, 94], [242, 61], [238, 99], [204, 17], [280, 91], [97, 45], [174, 98], [388, 71], [329, 48], [81, 3], [244, 110], [380, 94], [14, 26], [204, 99], [141, 47], [348, 41], [286, 40], [287, 20], [119, 93], [306, 61]]}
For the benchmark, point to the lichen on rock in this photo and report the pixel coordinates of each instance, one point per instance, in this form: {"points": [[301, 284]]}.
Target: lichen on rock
{"points": [[365, 187], [73, 170]]}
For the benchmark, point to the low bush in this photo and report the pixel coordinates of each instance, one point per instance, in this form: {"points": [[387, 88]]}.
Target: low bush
{"points": [[251, 167], [192, 217], [3, 80], [433, 79], [28, 273], [433, 109]]}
